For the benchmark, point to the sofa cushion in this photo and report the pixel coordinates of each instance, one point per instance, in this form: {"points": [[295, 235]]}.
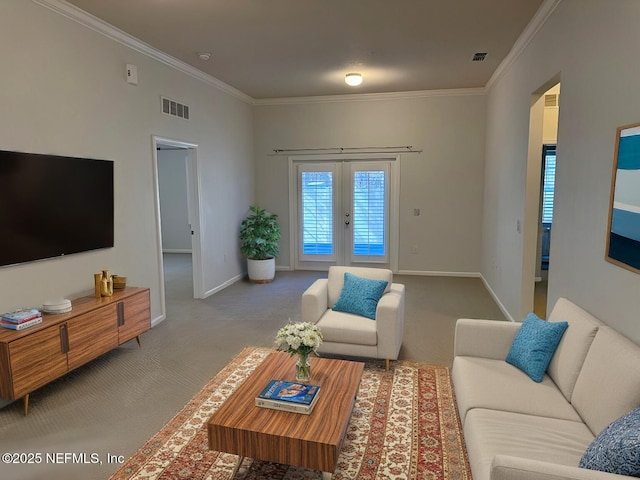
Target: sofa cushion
{"points": [[336, 279], [360, 295], [534, 345], [566, 363], [347, 328], [609, 383], [491, 432], [617, 448], [494, 384]]}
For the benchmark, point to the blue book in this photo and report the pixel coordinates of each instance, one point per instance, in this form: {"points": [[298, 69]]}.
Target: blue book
{"points": [[292, 392]]}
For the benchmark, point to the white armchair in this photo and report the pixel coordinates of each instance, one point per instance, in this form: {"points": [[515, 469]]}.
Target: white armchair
{"points": [[354, 335]]}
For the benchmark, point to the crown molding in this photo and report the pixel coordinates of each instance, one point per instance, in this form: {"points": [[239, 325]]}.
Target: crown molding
{"points": [[368, 97], [536, 23], [72, 12]]}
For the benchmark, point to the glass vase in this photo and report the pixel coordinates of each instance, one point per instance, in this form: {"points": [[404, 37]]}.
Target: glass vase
{"points": [[303, 367]]}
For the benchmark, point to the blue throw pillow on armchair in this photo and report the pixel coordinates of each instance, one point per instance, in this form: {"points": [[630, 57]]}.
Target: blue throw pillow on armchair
{"points": [[534, 345], [617, 448], [360, 295]]}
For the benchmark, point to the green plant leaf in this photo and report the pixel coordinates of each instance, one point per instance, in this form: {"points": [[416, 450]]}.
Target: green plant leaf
{"points": [[259, 234]]}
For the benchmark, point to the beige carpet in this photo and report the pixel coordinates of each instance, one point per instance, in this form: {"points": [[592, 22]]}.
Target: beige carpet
{"points": [[404, 426], [112, 405]]}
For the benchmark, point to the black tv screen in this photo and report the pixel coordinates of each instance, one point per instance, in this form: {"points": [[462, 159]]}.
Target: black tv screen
{"points": [[52, 205]]}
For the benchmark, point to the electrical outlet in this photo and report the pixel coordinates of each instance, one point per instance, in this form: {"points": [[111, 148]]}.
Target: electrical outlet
{"points": [[416, 212], [414, 249]]}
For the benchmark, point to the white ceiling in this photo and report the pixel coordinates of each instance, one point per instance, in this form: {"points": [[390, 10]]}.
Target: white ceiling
{"points": [[298, 48]]}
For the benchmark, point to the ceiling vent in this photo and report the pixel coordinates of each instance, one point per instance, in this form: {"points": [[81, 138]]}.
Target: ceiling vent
{"points": [[551, 100], [479, 57], [174, 109]]}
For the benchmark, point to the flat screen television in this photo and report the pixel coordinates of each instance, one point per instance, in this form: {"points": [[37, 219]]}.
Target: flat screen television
{"points": [[53, 205]]}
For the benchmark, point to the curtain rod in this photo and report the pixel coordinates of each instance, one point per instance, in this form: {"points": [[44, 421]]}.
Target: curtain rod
{"points": [[341, 150]]}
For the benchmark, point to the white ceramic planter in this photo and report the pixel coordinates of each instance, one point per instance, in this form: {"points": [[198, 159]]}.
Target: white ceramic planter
{"points": [[261, 271]]}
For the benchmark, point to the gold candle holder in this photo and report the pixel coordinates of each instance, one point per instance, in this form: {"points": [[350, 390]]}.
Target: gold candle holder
{"points": [[97, 277], [103, 284]]}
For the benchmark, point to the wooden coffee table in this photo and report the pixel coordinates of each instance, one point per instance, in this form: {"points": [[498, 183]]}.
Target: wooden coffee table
{"points": [[311, 441]]}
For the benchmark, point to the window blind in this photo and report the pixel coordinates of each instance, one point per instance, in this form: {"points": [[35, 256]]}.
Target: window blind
{"points": [[548, 182], [317, 213], [369, 213]]}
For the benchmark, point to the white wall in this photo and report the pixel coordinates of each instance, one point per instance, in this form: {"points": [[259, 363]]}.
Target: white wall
{"points": [[444, 181], [599, 93], [63, 91], [174, 210]]}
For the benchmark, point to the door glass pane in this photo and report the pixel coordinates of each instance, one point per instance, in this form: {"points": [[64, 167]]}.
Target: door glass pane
{"points": [[369, 212], [317, 213]]}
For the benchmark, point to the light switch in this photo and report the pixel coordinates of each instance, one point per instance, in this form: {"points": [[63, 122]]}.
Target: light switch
{"points": [[132, 74]]}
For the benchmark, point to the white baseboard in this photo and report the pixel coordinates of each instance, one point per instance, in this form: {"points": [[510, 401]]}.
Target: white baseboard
{"points": [[429, 273], [496, 299], [176, 250], [157, 320], [229, 282]]}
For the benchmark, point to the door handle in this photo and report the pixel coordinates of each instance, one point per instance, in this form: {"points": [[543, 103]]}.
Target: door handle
{"points": [[64, 339], [120, 312]]}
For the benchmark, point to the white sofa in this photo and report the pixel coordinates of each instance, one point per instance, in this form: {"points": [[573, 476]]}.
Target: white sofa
{"points": [[353, 335], [518, 429]]}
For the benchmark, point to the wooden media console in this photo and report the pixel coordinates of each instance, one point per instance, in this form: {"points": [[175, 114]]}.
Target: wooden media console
{"points": [[35, 356]]}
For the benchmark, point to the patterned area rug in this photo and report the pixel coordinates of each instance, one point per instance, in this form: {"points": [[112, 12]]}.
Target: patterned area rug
{"points": [[404, 426]]}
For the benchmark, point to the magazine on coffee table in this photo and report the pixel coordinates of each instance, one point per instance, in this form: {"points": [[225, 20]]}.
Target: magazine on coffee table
{"points": [[288, 396]]}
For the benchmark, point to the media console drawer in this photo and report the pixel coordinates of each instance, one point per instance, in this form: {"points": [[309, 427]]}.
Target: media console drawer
{"points": [[31, 358]]}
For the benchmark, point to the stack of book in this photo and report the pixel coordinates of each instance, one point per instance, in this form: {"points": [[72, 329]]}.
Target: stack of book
{"points": [[288, 396], [21, 319]]}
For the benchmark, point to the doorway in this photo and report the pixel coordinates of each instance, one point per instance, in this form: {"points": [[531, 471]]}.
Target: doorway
{"points": [[542, 159], [343, 212], [177, 218]]}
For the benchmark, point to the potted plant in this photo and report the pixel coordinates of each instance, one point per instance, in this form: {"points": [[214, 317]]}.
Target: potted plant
{"points": [[259, 235]]}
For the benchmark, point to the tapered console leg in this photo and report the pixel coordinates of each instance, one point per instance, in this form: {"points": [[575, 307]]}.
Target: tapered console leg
{"points": [[138, 339], [25, 401]]}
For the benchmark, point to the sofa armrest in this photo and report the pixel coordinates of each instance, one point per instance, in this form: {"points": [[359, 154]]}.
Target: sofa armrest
{"points": [[484, 338], [314, 301], [505, 467], [390, 322]]}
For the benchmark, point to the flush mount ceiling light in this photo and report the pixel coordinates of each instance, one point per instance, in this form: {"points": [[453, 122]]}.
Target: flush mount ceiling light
{"points": [[204, 55], [353, 79]]}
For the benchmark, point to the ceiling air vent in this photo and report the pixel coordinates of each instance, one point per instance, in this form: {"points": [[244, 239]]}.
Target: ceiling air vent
{"points": [[479, 56], [174, 109], [551, 100]]}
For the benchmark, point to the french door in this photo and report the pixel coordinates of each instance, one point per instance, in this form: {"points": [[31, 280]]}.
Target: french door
{"points": [[342, 213]]}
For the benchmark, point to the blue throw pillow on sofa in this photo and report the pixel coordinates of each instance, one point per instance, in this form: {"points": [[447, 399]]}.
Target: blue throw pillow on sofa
{"points": [[617, 448], [360, 296], [534, 345]]}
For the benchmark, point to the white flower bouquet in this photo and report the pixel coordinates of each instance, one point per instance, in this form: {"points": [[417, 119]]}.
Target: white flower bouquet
{"points": [[300, 338]]}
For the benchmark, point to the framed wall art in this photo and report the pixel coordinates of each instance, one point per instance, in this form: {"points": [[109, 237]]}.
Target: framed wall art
{"points": [[623, 234]]}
